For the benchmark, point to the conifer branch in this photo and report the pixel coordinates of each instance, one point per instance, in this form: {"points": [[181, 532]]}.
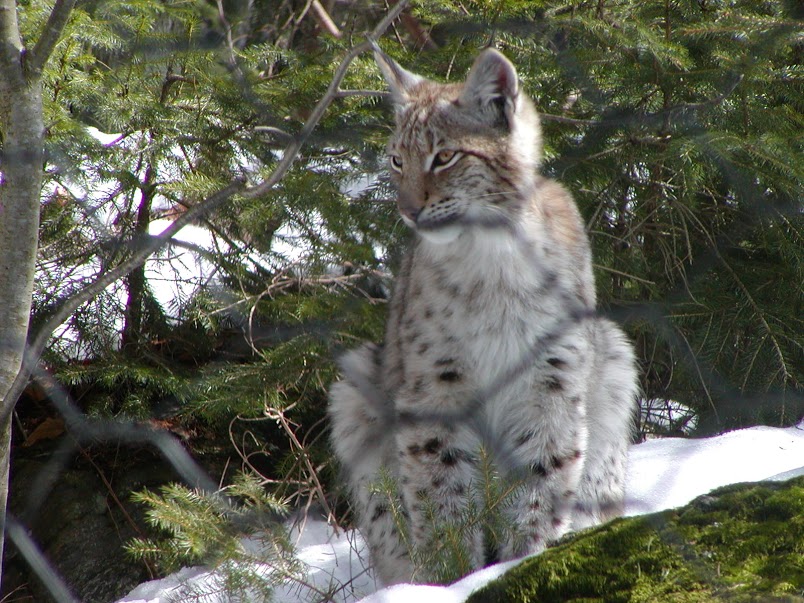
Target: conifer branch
{"points": [[144, 248], [752, 303], [760, 315], [152, 244], [711, 102], [292, 150], [84, 429], [669, 111]]}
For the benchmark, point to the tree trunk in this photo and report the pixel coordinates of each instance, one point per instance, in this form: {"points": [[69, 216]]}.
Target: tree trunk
{"points": [[21, 163], [22, 130], [135, 281]]}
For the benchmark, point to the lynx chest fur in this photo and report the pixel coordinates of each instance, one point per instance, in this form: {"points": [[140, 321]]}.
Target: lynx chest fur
{"points": [[492, 347], [466, 314]]}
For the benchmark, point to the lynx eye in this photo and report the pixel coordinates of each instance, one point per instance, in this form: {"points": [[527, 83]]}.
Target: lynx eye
{"points": [[396, 162], [444, 159]]}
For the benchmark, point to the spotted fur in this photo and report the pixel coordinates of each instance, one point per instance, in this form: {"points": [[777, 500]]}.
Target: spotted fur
{"points": [[492, 338]]}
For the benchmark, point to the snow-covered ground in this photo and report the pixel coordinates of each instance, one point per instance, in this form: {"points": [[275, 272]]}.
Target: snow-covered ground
{"points": [[663, 473]]}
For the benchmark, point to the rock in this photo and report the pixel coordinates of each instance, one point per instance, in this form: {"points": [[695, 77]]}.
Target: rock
{"points": [[739, 543], [79, 526]]}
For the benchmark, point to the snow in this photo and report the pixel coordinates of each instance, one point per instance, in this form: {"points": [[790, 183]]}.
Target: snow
{"points": [[667, 473], [177, 273], [663, 473]]}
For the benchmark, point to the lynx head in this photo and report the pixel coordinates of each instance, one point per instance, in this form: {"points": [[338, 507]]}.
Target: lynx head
{"points": [[462, 155]]}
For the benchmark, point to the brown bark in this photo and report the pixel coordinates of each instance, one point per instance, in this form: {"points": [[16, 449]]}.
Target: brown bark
{"points": [[135, 280]]}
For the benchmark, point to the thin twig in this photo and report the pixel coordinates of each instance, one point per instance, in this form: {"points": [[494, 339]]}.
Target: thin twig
{"points": [[624, 274], [324, 20], [292, 150], [85, 453], [312, 474]]}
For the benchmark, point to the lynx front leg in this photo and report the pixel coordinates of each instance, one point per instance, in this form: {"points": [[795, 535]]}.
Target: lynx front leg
{"points": [[364, 444], [551, 472], [542, 423], [437, 467]]}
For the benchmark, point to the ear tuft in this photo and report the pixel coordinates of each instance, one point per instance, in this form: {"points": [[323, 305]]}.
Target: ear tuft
{"points": [[492, 85], [399, 80]]}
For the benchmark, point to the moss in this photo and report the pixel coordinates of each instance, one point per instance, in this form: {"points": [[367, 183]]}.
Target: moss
{"points": [[739, 543]]}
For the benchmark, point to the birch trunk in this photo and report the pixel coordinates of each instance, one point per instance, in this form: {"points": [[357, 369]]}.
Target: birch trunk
{"points": [[21, 165]]}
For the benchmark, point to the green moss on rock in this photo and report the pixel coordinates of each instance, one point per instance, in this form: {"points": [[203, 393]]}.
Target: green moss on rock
{"points": [[739, 543]]}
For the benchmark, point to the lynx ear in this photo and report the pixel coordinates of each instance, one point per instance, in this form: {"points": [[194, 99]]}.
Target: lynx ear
{"points": [[400, 80], [492, 86]]}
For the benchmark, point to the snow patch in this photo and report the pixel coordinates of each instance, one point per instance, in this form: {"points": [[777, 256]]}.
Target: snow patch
{"points": [[662, 474]]}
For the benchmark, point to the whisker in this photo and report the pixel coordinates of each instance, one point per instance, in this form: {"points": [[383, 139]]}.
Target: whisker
{"points": [[493, 194]]}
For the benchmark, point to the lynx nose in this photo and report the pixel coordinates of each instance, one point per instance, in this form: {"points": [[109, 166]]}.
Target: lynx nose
{"points": [[410, 203]]}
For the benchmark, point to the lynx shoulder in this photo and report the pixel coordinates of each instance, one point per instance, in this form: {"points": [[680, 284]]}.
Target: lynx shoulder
{"points": [[492, 347]]}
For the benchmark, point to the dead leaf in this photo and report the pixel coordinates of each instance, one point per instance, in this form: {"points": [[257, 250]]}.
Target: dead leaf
{"points": [[49, 429]]}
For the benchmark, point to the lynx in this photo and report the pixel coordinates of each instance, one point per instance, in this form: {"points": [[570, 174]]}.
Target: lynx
{"points": [[492, 341]]}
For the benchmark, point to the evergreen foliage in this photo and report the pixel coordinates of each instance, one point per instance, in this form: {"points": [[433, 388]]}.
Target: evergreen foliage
{"points": [[677, 126], [199, 528], [122, 386], [445, 558]]}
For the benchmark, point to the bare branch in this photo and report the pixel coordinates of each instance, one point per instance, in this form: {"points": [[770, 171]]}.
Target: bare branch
{"points": [[49, 37], [292, 150], [11, 48], [567, 120], [275, 132], [375, 93], [145, 250], [421, 38], [324, 20]]}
